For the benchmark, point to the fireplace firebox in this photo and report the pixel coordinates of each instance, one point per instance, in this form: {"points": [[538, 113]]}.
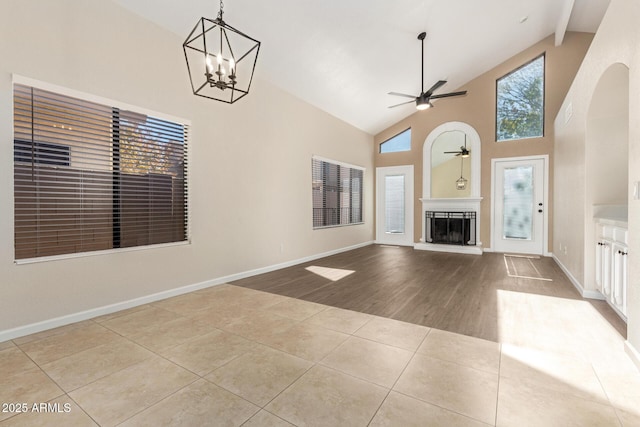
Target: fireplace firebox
{"points": [[451, 228]]}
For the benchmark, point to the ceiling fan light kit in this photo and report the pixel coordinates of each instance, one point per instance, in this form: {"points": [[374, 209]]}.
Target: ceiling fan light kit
{"points": [[423, 101], [220, 59]]}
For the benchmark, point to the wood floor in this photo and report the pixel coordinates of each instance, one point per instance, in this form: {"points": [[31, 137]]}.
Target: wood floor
{"points": [[480, 296]]}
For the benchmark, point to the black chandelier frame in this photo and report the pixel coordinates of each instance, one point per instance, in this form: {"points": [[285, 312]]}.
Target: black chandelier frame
{"points": [[211, 79]]}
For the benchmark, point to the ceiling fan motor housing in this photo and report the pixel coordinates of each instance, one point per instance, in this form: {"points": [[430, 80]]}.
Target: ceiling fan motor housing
{"points": [[423, 101]]}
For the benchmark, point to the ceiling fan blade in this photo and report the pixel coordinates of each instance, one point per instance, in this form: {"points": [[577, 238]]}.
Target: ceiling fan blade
{"points": [[402, 103], [436, 86], [447, 95], [402, 94], [452, 152]]}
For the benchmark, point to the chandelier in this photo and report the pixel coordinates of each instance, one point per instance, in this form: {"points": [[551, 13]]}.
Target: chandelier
{"points": [[220, 59], [461, 183]]}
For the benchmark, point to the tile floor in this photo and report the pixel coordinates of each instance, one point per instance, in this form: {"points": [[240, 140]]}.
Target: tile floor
{"points": [[231, 356]]}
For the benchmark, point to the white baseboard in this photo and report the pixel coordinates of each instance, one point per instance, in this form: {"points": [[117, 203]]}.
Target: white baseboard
{"points": [[68, 319], [634, 355], [591, 294], [44, 325]]}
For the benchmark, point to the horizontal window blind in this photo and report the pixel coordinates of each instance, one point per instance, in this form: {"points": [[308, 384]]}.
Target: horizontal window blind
{"points": [[91, 177], [337, 193]]}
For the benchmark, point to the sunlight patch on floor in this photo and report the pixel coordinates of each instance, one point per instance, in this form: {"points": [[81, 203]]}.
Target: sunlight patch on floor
{"points": [[333, 274], [523, 267], [548, 323]]}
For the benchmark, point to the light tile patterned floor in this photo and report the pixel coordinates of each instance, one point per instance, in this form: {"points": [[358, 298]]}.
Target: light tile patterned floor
{"points": [[231, 356]]}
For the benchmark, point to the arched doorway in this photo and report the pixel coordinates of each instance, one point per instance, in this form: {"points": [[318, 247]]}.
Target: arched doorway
{"points": [[607, 186]]}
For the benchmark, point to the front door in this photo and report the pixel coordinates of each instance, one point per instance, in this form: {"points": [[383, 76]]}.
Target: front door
{"points": [[394, 205], [519, 205]]}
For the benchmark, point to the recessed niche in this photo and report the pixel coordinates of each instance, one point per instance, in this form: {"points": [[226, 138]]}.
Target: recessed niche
{"points": [[450, 164]]}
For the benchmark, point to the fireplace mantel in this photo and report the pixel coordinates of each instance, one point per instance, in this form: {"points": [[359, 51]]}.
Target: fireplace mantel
{"points": [[461, 204]]}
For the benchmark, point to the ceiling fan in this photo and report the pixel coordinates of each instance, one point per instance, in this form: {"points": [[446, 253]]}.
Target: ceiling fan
{"points": [[423, 101], [464, 151]]}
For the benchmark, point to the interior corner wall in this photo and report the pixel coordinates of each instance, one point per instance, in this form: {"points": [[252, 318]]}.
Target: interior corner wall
{"points": [[250, 163], [478, 108], [616, 42]]}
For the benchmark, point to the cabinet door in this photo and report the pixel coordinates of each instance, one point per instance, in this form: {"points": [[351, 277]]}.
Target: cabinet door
{"points": [[619, 278], [599, 265], [606, 264]]}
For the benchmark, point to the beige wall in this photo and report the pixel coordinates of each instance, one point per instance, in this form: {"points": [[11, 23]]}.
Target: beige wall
{"points": [[250, 170], [616, 42], [445, 175], [477, 109]]}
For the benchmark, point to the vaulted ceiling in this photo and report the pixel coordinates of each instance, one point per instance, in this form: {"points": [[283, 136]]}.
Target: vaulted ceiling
{"points": [[344, 56]]}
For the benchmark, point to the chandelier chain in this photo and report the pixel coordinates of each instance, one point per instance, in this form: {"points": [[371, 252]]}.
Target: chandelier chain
{"points": [[221, 11]]}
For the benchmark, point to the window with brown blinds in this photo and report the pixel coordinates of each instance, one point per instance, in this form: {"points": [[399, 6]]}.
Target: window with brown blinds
{"points": [[337, 193], [91, 177]]}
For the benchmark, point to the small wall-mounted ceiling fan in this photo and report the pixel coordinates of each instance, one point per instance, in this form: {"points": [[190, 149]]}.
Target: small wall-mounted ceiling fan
{"points": [[423, 101], [464, 151]]}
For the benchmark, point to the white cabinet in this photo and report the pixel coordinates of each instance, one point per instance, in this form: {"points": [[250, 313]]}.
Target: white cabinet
{"points": [[611, 265]]}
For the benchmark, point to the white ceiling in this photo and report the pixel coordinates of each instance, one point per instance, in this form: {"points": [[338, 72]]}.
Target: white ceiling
{"points": [[344, 56]]}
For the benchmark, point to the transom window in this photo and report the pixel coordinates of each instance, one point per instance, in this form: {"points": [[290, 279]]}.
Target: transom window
{"points": [[90, 176], [520, 102], [337, 193], [400, 142]]}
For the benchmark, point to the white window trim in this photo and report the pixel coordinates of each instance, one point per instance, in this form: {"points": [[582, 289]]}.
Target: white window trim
{"points": [[27, 81], [337, 162]]}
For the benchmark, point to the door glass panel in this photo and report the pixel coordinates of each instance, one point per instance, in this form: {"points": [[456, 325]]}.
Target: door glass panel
{"points": [[518, 203], [394, 204]]}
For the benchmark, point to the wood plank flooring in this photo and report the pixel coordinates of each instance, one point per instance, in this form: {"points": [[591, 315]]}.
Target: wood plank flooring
{"points": [[467, 294]]}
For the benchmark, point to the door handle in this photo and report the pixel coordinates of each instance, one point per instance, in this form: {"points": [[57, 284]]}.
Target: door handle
{"points": [[539, 210]]}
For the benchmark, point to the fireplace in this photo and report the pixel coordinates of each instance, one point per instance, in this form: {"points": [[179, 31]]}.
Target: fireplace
{"points": [[451, 228]]}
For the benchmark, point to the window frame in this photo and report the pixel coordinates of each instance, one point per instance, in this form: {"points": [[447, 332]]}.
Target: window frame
{"points": [[345, 165], [393, 137], [114, 104], [543, 55]]}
